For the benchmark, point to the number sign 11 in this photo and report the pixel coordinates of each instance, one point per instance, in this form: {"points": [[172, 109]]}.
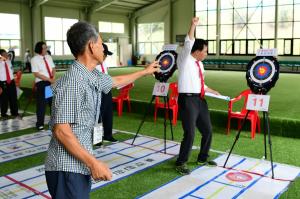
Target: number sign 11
{"points": [[258, 102]]}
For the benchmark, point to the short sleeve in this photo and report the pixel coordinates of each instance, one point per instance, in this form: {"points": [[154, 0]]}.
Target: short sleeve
{"points": [[67, 103], [34, 65], [105, 83]]}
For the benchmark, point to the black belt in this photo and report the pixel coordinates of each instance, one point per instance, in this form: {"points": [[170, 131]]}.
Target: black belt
{"points": [[190, 94]]}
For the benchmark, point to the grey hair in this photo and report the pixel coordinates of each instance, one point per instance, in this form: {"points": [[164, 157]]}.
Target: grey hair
{"points": [[79, 35]]}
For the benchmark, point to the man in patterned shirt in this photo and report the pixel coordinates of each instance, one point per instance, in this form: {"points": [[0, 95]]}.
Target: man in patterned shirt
{"points": [[76, 103]]}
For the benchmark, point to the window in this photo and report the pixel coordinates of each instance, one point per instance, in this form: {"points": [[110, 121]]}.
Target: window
{"points": [[10, 32], [150, 38], [111, 27], [56, 34], [206, 10], [247, 25]]}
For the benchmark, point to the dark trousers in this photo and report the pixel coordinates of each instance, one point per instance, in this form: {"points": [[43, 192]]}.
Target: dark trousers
{"points": [[107, 114], [41, 102], [9, 96], [28, 66], [194, 113], [67, 185]]}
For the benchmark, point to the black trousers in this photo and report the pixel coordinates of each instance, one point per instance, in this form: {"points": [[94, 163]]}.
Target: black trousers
{"points": [[106, 114], [28, 66], [41, 102], [194, 113], [67, 185], [8, 96]]}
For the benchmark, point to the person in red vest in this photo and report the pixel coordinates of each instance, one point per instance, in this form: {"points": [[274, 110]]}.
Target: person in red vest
{"points": [[8, 86], [106, 111], [43, 69]]}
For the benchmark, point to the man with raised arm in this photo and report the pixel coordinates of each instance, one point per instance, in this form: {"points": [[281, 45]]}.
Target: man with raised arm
{"points": [[193, 108]]}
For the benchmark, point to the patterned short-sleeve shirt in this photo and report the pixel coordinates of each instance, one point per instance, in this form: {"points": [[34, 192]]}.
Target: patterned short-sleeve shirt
{"points": [[76, 101]]}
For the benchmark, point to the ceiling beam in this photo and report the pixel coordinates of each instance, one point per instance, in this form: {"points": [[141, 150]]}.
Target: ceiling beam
{"points": [[149, 8], [40, 2], [103, 4]]}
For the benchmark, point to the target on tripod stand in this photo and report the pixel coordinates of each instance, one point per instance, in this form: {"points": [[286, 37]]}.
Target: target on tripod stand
{"points": [[262, 74], [167, 62]]}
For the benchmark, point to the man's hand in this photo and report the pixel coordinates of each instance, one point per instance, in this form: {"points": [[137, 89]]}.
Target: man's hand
{"points": [[52, 81], [216, 93], [212, 91], [100, 171], [195, 21], [0, 90], [152, 68], [122, 80]]}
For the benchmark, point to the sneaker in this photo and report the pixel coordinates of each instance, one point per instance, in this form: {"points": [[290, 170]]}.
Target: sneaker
{"points": [[111, 139], [99, 144], [183, 169], [4, 115], [40, 128], [210, 162]]}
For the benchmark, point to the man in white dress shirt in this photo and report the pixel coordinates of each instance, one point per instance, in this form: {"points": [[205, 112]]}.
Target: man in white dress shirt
{"points": [[43, 69], [193, 108], [8, 86]]}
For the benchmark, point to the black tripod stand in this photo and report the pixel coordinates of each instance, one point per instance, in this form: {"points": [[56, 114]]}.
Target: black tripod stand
{"points": [[266, 129], [166, 104]]}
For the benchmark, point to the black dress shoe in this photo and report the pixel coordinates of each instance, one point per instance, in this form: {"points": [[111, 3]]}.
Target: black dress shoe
{"points": [[40, 128], [110, 139], [182, 169], [210, 162], [4, 115]]}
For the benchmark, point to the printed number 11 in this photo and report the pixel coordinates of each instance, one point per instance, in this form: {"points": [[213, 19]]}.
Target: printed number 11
{"points": [[260, 101]]}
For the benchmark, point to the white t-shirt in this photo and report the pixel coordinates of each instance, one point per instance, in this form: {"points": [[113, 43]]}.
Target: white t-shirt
{"points": [[3, 70], [38, 65]]}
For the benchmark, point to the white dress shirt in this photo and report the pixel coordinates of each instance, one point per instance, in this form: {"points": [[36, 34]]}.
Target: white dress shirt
{"points": [[98, 67], [188, 72], [3, 70], [38, 65]]}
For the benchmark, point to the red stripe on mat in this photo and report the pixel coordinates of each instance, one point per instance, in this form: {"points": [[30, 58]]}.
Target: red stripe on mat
{"points": [[27, 187]]}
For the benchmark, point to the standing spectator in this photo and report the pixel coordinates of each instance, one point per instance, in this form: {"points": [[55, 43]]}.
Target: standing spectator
{"points": [[11, 55], [70, 163], [27, 58], [106, 102], [8, 86], [43, 69], [49, 50]]}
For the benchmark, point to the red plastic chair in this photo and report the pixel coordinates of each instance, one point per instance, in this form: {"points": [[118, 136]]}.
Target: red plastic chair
{"points": [[252, 116], [18, 77], [173, 103], [123, 96]]}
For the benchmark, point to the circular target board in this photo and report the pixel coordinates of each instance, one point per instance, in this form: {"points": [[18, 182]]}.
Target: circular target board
{"points": [[167, 62], [262, 74]]}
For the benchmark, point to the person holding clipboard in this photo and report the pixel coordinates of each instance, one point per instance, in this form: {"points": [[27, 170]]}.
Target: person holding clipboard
{"points": [[43, 69]]}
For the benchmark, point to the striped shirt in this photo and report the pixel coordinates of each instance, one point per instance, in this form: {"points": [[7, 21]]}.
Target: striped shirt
{"points": [[76, 101]]}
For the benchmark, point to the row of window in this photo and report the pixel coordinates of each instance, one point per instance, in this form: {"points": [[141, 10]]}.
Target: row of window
{"points": [[245, 21], [55, 32], [249, 47]]}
